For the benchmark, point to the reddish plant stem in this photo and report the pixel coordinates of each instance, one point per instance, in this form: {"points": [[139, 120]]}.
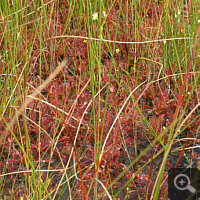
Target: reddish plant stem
{"points": [[182, 152], [84, 193]]}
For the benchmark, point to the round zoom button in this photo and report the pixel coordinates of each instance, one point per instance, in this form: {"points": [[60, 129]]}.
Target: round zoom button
{"points": [[182, 182]]}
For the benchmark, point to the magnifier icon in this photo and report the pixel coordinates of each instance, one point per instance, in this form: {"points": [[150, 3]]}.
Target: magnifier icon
{"points": [[182, 182]]}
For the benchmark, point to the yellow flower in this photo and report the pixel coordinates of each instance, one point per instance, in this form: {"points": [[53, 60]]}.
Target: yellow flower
{"points": [[117, 50]]}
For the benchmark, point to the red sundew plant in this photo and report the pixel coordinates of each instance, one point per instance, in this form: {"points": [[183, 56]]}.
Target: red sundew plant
{"points": [[98, 98]]}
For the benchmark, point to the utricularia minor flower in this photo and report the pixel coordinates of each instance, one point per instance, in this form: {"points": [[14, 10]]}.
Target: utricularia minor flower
{"points": [[94, 16], [104, 13]]}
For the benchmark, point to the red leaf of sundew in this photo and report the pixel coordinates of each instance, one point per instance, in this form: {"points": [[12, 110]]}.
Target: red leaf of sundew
{"points": [[112, 89]]}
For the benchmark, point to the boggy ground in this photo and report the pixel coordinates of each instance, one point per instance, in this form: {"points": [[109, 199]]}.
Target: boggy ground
{"points": [[79, 138]]}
